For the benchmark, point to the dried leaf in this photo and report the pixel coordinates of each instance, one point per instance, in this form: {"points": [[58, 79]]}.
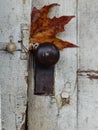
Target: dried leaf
{"points": [[44, 29]]}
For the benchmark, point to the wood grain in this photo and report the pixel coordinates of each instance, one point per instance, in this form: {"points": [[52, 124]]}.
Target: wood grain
{"points": [[13, 70], [88, 65], [13, 90], [47, 112]]}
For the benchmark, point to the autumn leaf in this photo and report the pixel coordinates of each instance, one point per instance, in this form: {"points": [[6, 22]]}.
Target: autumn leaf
{"points": [[44, 29]]}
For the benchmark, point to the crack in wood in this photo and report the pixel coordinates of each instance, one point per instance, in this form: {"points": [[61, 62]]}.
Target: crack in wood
{"points": [[91, 74], [87, 71], [24, 118]]}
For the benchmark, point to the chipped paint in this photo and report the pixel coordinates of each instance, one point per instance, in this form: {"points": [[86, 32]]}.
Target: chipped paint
{"points": [[65, 101], [59, 101], [23, 121], [62, 101], [22, 127]]}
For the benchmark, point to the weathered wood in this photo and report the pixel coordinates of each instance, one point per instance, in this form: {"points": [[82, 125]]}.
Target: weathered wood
{"points": [[13, 90], [13, 70], [61, 111], [87, 102], [88, 65], [87, 30], [54, 112]]}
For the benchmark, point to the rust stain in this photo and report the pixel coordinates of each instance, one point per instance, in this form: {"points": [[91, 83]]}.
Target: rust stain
{"points": [[65, 101], [91, 76]]}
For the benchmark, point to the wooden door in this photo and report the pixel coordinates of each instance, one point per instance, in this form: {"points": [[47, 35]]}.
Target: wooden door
{"points": [[55, 112], [74, 105], [14, 19]]}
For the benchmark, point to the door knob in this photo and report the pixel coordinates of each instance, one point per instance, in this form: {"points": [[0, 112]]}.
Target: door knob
{"points": [[47, 54]]}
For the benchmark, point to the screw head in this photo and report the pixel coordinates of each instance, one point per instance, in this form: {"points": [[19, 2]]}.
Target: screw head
{"points": [[47, 54], [11, 47]]}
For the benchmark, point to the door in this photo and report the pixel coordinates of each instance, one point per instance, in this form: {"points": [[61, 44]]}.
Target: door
{"points": [[74, 105], [14, 19], [58, 112]]}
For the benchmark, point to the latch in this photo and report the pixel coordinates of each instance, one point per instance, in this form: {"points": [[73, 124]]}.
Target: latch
{"points": [[45, 57]]}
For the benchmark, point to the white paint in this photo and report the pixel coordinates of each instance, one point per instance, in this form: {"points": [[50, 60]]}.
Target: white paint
{"points": [[46, 112], [13, 83], [65, 95], [88, 65], [58, 101], [13, 90], [66, 91], [88, 30]]}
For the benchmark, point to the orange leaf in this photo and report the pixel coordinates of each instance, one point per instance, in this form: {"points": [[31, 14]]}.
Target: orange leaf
{"points": [[44, 29], [39, 17]]}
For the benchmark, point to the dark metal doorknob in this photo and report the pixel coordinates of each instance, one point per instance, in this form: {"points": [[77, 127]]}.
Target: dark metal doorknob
{"points": [[47, 54], [45, 57]]}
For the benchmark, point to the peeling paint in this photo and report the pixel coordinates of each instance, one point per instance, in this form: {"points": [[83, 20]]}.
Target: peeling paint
{"points": [[59, 101], [65, 101], [23, 116], [62, 101], [24, 122], [26, 79]]}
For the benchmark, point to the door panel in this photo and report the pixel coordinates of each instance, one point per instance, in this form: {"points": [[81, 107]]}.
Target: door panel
{"points": [[88, 65], [74, 105], [13, 90], [13, 70], [47, 112]]}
